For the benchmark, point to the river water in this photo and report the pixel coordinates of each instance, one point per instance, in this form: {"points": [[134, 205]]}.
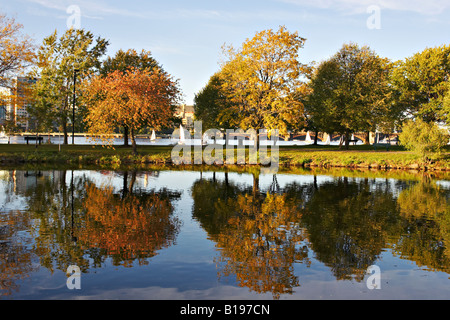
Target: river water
{"points": [[191, 234]]}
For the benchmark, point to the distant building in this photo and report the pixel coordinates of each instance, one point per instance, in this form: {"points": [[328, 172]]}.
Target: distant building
{"points": [[4, 103], [14, 101], [186, 113]]}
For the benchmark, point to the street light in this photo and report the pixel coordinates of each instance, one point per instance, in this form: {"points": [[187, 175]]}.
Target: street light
{"points": [[73, 107]]}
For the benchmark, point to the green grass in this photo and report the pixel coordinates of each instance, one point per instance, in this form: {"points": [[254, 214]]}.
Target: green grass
{"points": [[360, 156]]}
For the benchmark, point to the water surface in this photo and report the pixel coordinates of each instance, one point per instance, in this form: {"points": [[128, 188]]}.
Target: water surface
{"points": [[180, 234]]}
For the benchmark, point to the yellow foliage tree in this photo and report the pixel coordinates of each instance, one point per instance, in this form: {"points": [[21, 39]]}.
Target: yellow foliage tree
{"points": [[16, 50], [264, 80]]}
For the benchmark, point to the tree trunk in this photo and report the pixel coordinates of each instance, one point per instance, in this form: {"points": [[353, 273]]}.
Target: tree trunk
{"points": [[341, 141], [66, 136], [125, 136], [255, 183], [367, 137], [133, 141], [347, 140], [133, 180], [125, 184], [64, 119], [316, 133]]}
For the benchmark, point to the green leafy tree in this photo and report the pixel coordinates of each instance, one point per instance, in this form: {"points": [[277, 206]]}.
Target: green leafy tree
{"points": [[40, 109], [126, 60], [421, 81], [422, 137], [446, 104], [58, 60], [350, 92], [321, 110], [211, 105]]}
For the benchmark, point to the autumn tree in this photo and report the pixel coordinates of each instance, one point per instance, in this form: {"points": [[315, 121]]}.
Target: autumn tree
{"points": [[263, 80], [124, 61], [58, 60], [135, 99], [350, 92], [16, 50], [17, 54], [421, 83]]}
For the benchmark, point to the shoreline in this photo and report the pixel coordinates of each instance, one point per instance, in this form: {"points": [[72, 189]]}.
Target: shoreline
{"points": [[294, 157]]}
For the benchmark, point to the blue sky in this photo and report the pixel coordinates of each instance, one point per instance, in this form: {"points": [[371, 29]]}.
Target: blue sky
{"points": [[186, 36]]}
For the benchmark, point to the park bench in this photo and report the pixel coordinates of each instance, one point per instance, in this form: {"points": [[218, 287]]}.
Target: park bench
{"points": [[353, 140], [382, 145], [33, 138]]}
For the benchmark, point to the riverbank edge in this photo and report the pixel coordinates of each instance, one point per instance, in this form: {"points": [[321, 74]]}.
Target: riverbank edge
{"points": [[355, 160]]}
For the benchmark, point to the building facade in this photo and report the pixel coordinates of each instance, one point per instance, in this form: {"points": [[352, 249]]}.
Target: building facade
{"points": [[14, 101], [186, 113]]}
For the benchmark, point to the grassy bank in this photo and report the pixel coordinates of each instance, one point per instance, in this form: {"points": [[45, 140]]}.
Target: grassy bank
{"points": [[298, 156]]}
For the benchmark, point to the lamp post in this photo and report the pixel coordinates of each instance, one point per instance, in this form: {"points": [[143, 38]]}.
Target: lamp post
{"points": [[73, 106]]}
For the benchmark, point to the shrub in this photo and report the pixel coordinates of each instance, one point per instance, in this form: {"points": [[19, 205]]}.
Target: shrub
{"points": [[422, 137]]}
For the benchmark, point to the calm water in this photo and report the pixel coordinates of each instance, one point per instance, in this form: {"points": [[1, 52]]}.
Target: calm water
{"points": [[216, 235]]}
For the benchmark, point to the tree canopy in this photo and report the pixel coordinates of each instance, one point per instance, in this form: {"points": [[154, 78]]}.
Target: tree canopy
{"points": [[124, 61], [58, 60], [135, 99], [263, 79], [421, 83], [350, 91], [17, 50]]}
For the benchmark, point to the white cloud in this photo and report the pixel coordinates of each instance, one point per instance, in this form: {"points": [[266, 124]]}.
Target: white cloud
{"points": [[92, 9], [430, 7], [103, 9], [88, 9]]}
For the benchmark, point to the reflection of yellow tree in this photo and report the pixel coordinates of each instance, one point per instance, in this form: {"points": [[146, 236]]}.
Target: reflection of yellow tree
{"points": [[262, 242], [15, 257], [129, 228], [426, 239]]}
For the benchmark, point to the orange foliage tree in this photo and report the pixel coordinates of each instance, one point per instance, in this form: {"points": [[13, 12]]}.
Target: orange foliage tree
{"points": [[16, 50], [135, 99]]}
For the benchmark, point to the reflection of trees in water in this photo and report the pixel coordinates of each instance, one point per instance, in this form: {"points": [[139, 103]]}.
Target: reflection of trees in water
{"points": [[127, 227], [425, 237], [15, 252], [258, 234], [80, 223], [262, 242], [347, 223]]}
